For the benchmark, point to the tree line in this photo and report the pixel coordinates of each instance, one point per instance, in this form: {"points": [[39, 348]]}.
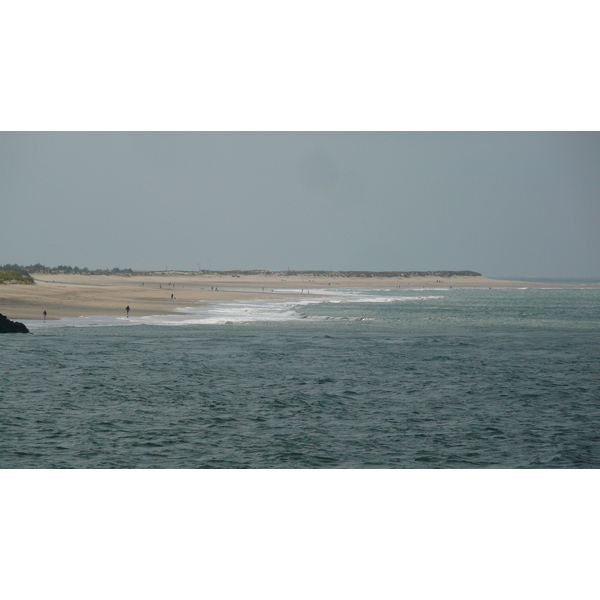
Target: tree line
{"points": [[39, 268]]}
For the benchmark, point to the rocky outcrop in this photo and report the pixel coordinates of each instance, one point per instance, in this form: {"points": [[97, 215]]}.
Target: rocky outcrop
{"points": [[8, 326]]}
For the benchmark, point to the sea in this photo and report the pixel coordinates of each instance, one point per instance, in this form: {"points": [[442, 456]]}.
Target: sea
{"points": [[434, 378]]}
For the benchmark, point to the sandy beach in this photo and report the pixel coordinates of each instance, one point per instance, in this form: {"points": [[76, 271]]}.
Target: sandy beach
{"points": [[74, 295]]}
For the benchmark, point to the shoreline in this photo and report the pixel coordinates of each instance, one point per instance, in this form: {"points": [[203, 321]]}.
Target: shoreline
{"points": [[77, 295]]}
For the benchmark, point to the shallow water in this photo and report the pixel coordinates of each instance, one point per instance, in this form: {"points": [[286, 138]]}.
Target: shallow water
{"points": [[361, 379]]}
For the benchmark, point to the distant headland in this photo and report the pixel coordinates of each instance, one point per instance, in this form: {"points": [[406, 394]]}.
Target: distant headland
{"points": [[22, 274]]}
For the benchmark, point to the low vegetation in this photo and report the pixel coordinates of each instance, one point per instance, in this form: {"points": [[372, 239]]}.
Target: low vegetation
{"points": [[290, 273], [63, 269], [15, 276]]}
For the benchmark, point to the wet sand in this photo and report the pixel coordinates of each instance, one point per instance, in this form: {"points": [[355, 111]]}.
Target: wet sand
{"points": [[74, 295]]}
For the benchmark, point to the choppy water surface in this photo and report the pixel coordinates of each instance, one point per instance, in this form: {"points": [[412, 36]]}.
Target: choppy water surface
{"points": [[366, 379]]}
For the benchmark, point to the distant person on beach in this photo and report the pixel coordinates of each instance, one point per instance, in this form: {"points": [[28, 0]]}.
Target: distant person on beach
{"points": [[127, 310], [45, 313]]}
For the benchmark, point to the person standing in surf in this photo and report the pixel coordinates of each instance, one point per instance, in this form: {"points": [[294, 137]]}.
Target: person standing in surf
{"points": [[127, 310]]}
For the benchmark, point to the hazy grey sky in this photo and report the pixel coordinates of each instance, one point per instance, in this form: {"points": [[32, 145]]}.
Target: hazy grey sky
{"points": [[500, 203]]}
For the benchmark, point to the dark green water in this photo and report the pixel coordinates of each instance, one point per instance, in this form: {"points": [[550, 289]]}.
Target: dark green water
{"points": [[381, 379]]}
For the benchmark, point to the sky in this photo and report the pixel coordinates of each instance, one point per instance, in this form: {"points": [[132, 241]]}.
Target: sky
{"points": [[503, 204]]}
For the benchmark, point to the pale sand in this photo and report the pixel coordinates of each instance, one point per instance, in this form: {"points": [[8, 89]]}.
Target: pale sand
{"points": [[86, 295]]}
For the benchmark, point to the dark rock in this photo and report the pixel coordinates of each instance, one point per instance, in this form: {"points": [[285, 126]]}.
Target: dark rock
{"points": [[8, 326]]}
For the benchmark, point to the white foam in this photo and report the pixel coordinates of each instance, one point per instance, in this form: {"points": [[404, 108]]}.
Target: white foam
{"points": [[219, 313], [364, 296]]}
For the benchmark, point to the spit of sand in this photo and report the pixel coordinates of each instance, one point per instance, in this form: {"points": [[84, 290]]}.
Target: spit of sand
{"points": [[74, 295]]}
